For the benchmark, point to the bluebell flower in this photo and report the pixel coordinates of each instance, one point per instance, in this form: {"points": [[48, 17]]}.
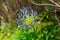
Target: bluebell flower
{"points": [[23, 17], [25, 25], [25, 9], [35, 13], [20, 20], [20, 15], [17, 22], [31, 10]]}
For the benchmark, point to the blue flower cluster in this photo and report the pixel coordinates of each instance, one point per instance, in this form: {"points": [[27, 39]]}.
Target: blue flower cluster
{"points": [[26, 17]]}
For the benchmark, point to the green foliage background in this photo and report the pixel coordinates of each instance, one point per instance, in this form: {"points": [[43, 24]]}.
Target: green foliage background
{"points": [[48, 29]]}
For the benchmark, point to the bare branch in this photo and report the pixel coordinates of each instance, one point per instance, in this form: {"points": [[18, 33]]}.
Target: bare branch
{"points": [[56, 4], [42, 4]]}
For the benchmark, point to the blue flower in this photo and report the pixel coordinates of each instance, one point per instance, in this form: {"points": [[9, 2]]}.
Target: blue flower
{"points": [[20, 20], [35, 13], [25, 9], [31, 10], [20, 15], [25, 25], [17, 22]]}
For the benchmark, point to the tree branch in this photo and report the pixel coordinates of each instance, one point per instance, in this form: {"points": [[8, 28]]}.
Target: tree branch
{"points": [[56, 4], [41, 4]]}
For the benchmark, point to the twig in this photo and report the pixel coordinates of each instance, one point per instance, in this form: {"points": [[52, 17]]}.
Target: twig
{"points": [[41, 4], [56, 4]]}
